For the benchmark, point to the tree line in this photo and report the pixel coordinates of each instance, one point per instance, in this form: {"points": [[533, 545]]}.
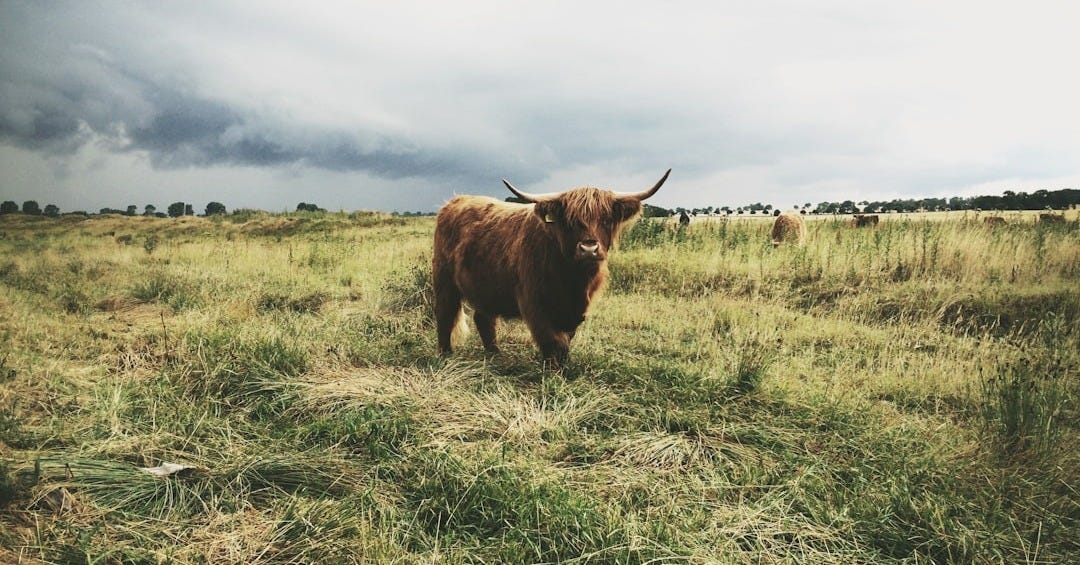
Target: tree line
{"points": [[1039, 200], [175, 210]]}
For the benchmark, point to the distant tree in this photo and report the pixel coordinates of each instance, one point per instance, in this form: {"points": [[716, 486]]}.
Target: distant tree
{"points": [[130, 210], [827, 208], [9, 207], [955, 203], [214, 208], [52, 211], [176, 209], [188, 210], [149, 210], [305, 207], [650, 211], [776, 212], [31, 208]]}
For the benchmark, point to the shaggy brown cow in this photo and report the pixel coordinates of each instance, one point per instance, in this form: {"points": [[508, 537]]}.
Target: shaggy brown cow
{"points": [[994, 221], [863, 220], [543, 262], [790, 228], [1052, 218]]}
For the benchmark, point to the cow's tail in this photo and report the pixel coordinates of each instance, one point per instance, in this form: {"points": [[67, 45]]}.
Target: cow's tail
{"points": [[461, 329]]}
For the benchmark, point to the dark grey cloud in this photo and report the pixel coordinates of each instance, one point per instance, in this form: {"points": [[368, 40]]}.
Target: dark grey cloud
{"points": [[59, 112], [58, 92]]}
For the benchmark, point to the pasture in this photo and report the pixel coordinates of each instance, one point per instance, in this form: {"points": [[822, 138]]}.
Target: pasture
{"points": [[899, 394]]}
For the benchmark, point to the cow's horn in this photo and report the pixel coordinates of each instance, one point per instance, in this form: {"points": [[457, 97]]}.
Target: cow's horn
{"points": [[529, 197], [547, 196], [647, 193]]}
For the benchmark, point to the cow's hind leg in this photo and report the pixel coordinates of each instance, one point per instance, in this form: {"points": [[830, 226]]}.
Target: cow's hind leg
{"points": [[447, 313], [485, 326]]}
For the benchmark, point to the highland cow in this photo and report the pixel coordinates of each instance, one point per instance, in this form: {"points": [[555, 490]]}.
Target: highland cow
{"points": [[544, 262], [788, 228], [866, 220]]}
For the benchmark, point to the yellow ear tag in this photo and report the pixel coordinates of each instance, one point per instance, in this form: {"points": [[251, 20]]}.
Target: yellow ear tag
{"points": [[548, 218]]}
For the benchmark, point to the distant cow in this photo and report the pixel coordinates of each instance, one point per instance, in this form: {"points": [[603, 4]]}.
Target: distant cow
{"points": [[789, 228], [684, 219], [1052, 218], [543, 262], [994, 221], [864, 220]]}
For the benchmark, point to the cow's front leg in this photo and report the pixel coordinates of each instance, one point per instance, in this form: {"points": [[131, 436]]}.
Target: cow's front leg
{"points": [[554, 349], [553, 341], [485, 326]]}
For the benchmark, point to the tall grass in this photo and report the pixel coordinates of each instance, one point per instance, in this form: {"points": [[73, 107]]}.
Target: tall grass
{"points": [[891, 395]]}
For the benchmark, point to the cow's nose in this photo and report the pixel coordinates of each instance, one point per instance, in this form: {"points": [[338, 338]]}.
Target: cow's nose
{"points": [[589, 248]]}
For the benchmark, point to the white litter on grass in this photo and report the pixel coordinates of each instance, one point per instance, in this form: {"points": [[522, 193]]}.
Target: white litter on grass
{"points": [[166, 469]]}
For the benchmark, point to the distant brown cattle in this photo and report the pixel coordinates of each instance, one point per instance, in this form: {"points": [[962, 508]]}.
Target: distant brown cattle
{"points": [[994, 221], [864, 220], [543, 262], [1052, 218], [788, 228]]}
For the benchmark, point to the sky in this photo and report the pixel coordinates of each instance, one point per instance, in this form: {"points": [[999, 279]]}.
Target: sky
{"points": [[397, 106]]}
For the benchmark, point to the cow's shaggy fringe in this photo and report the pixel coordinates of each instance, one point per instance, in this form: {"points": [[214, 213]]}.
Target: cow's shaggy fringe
{"points": [[589, 205]]}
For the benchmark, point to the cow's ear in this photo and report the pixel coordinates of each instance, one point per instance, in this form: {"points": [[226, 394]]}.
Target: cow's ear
{"points": [[626, 208], [550, 211]]}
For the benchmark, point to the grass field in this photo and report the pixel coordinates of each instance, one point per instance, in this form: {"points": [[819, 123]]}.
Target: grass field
{"points": [[903, 394]]}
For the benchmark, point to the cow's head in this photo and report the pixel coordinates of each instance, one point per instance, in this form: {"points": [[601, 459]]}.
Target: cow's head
{"points": [[586, 221]]}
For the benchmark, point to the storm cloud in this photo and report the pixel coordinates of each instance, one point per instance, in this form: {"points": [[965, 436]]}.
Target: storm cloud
{"points": [[59, 95], [400, 105]]}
